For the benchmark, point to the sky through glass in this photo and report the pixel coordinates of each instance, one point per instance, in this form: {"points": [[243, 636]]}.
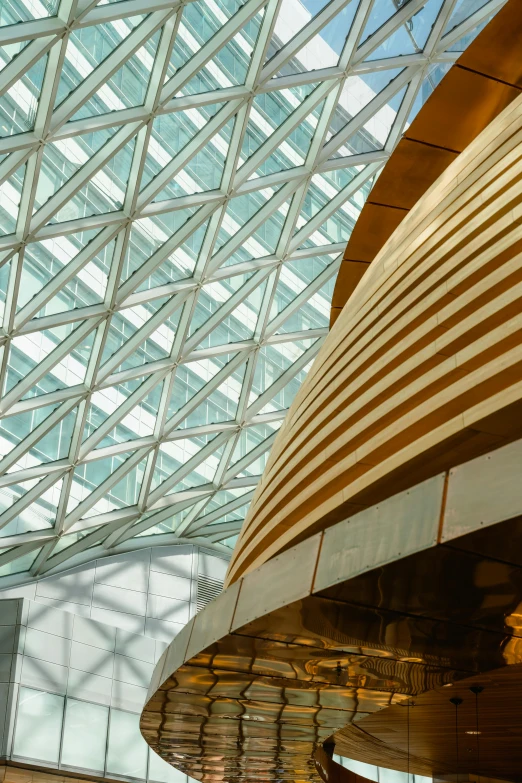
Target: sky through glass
{"points": [[178, 182]]}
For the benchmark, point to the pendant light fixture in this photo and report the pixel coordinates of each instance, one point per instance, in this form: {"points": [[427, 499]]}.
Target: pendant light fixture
{"points": [[456, 700], [476, 689]]}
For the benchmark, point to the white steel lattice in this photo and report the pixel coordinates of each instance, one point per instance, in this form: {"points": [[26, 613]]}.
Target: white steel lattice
{"points": [[178, 183]]}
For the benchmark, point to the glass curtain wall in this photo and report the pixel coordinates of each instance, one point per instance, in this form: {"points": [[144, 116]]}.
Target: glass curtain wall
{"points": [[71, 734]]}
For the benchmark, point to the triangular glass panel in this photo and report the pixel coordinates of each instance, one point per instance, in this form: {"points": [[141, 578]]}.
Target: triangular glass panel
{"points": [[197, 26], [20, 565], [127, 87], [339, 225], [411, 37], [382, 11], [272, 362], [170, 134], [148, 235], [89, 476], [180, 264], [44, 260], [269, 111], [39, 515], [313, 314], [27, 351], [126, 323], [69, 371], [86, 288], [211, 297], [158, 345], [190, 378], [124, 493], [325, 48], [220, 405], [462, 11], [262, 240], [249, 440], [20, 103], [230, 64], [105, 191], [87, 48], [234, 59], [105, 402], [204, 170], [138, 423], [203, 474], [356, 95], [54, 445], [18, 426], [61, 159], [294, 277], [293, 150], [10, 195], [290, 20], [172, 455]]}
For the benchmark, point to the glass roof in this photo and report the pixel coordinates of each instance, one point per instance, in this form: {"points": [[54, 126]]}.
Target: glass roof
{"points": [[178, 183]]}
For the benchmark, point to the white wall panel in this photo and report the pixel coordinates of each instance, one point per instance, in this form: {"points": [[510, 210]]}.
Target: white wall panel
{"points": [[148, 592], [37, 673], [75, 586], [162, 629], [119, 599], [47, 647], [125, 571], [135, 646], [94, 634], [90, 687]]}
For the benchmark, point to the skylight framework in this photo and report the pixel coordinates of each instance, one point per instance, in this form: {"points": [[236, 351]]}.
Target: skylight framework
{"points": [[178, 183]]}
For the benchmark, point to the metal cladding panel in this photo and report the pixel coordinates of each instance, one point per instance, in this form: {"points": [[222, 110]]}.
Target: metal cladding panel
{"points": [[397, 527], [483, 492], [212, 622], [282, 580]]}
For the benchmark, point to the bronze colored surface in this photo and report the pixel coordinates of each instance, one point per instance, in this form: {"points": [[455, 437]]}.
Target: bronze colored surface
{"points": [[423, 369], [485, 79], [432, 727], [342, 636]]}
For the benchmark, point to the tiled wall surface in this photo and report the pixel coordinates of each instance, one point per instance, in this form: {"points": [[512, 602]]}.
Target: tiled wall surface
{"points": [[71, 692], [48, 649], [151, 592], [92, 636]]}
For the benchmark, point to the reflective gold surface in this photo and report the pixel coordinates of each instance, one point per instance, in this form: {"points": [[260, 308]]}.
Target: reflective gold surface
{"points": [[258, 700]]}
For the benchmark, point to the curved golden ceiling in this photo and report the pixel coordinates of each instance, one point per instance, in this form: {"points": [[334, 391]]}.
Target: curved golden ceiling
{"points": [[423, 367]]}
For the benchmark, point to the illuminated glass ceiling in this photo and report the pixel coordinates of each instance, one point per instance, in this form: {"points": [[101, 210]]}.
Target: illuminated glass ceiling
{"points": [[179, 180]]}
